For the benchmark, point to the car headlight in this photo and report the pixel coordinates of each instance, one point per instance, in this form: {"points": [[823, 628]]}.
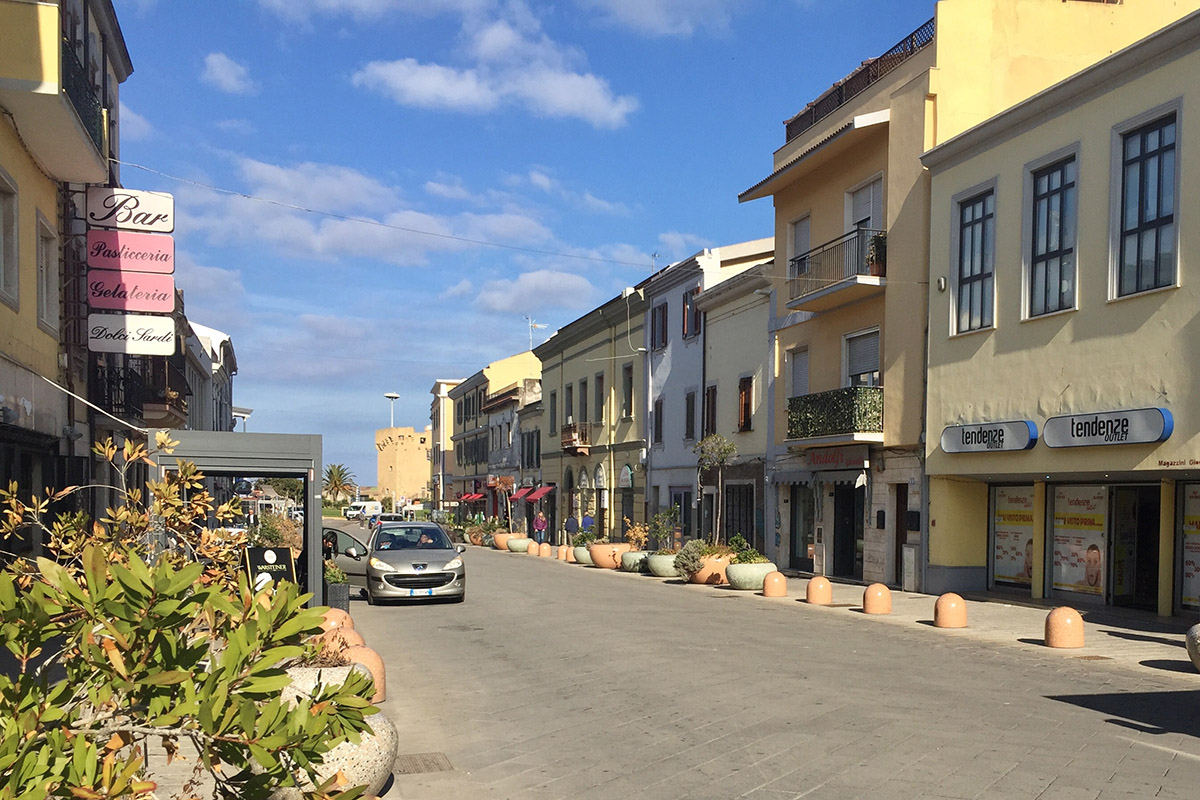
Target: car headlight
{"points": [[381, 565], [453, 563]]}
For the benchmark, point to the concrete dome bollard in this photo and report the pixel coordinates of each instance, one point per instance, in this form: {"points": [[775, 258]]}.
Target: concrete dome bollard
{"points": [[775, 584], [571, 555], [1064, 628], [819, 591], [877, 599], [544, 550], [950, 611], [533, 550], [562, 552]]}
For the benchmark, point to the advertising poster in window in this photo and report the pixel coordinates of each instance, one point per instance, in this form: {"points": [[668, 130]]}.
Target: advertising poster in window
{"points": [[1191, 546], [1012, 524], [1080, 521]]}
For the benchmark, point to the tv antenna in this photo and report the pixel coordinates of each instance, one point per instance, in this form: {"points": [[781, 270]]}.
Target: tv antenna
{"points": [[533, 325]]}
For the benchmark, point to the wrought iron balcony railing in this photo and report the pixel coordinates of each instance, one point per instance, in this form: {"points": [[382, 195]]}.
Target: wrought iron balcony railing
{"points": [[576, 437], [83, 97], [860, 252], [854, 409], [121, 391]]}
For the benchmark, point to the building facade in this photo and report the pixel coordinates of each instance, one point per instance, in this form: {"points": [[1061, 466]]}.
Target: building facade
{"points": [[402, 464], [441, 442]]}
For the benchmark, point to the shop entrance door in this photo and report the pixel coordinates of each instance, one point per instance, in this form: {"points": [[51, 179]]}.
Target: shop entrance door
{"points": [[1134, 559], [848, 503], [800, 501], [901, 526]]}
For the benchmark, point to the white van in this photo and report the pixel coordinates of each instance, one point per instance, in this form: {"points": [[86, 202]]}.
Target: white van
{"points": [[363, 508]]}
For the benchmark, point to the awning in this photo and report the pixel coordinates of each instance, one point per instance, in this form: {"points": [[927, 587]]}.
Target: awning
{"points": [[470, 497], [519, 493], [538, 494], [797, 476], [850, 476]]}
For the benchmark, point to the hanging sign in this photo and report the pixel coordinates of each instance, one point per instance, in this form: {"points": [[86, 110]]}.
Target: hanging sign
{"points": [[130, 291], [133, 334], [130, 210], [126, 250], [989, 437], [1139, 426]]}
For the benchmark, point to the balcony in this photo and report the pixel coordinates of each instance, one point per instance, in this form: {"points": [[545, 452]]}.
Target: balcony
{"points": [[576, 438], [852, 414], [166, 404], [845, 270], [47, 91], [120, 391]]}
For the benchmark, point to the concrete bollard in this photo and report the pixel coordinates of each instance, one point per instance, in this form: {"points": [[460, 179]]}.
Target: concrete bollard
{"points": [[533, 550], [562, 552], [570, 555], [949, 612], [877, 599], [1064, 628], [360, 654], [819, 591], [544, 550], [775, 585]]}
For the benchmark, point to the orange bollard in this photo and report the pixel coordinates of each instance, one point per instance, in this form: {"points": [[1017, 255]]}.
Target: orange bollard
{"points": [[949, 612], [1064, 628], [819, 591], [775, 585], [359, 654], [533, 550], [562, 552], [570, 555], [877, 599], [544, 550]]}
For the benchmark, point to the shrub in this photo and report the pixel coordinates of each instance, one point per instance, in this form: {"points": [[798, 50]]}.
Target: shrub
{"points": [[636, 534], [583, 539], [334, 574]]}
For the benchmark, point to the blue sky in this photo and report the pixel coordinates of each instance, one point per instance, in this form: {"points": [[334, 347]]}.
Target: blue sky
{"points": [[590, 139]]}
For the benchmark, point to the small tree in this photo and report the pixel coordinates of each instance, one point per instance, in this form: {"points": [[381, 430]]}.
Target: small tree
{"points": [[714, 452]]}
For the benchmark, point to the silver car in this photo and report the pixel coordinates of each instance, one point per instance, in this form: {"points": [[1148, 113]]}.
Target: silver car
{"points": [[414, 560]]}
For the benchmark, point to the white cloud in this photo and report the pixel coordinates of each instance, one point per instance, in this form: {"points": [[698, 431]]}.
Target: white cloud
{"points": [[666, 17], [302, 10], [222, 72], [461, 289], [134, 126], [324, 187], [539, 179], [675, 245], [240, 126], [410, 83], [537, 290], [448, 188]]}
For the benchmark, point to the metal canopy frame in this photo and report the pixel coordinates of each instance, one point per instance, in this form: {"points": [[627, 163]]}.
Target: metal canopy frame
{"points": [[262, 455]]}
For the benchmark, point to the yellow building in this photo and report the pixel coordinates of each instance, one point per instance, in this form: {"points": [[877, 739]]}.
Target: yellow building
{"points": [[60, 67], [402, 464], [593, 449], [1064, 427], [470, 482], [852, 252], [441, 443]]}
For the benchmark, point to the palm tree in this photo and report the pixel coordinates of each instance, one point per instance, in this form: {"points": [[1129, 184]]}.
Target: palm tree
{"points": [[338, 481]]}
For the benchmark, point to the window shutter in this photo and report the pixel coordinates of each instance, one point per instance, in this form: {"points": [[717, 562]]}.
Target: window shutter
{"points": [[799, 373], [862, 353], [800, 237], [867, 206]]}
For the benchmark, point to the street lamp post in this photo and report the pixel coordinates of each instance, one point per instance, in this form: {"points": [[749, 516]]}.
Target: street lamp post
{"points": [[393, 397]]}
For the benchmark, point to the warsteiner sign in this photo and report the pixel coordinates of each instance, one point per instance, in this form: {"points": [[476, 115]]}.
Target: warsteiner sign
{"points": [[130, 210], [1139, 426], [269, 563]]}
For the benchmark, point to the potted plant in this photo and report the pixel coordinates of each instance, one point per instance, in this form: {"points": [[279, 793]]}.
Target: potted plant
{"points": [[661, 563], [877, 254], [579, 543], [749, 567], [703, 562], [606, 554], [636, 534], [337, 587]]}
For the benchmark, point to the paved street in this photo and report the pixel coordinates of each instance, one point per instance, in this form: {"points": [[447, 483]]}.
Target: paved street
{"points": [[560, 681]]}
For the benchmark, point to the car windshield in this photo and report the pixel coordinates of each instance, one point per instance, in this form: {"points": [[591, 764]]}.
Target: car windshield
{"points": [[405, 538]]}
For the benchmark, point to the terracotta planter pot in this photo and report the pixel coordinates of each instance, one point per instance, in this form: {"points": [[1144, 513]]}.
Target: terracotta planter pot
{"points": [[713, 571], [748, 577], [608, 555], [661, 566], [500, 540], [476, 538], [582, 556], [336, 618], [634, 561]]}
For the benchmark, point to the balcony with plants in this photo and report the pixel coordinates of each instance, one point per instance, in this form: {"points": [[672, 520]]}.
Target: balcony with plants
{"points": [[850, 414], [576, 438], [845, 270]]}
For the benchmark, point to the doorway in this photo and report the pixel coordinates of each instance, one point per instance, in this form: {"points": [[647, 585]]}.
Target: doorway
{"points": [[1133, 570], [901, 526], [800, 501], [848, 506]]}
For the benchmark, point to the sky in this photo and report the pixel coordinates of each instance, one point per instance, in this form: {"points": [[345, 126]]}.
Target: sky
{"points": [[372, 195]]}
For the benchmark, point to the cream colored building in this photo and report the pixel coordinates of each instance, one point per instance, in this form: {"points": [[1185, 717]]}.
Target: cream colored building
{"points": [[593, 428], [1064, 424], [441, 442], [852, 253], [402, 464]]}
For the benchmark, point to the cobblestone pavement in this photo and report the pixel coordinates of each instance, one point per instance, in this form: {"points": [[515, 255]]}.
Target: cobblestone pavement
{"points": [[554, 680]]}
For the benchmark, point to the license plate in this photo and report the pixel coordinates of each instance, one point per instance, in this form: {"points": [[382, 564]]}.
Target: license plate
{"points": [[420, 592]]}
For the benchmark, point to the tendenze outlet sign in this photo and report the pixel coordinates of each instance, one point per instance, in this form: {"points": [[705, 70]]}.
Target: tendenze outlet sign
{"points": [[134, 334], [129, 210], [989, 437], [1139, 426]]}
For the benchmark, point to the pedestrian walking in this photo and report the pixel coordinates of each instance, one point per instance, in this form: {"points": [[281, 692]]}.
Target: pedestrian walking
{"points": [[539, 527]]}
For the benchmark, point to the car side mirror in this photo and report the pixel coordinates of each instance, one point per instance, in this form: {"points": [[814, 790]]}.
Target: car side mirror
{"points": [[461, 548], [352, 551]]}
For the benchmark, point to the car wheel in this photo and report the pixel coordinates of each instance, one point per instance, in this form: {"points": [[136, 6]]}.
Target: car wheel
{"points": [[370, 597]]}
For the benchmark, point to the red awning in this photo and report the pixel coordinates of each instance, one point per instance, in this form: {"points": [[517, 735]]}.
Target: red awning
{"points": [[538, 494], [470, 496], [519, 493]]}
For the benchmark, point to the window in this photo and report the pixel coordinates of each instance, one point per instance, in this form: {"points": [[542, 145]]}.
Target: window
{"points": [[553, 404], [1052, 260], [866, 207], [569, 404], [458, 412], [799, 373], [658, 421], [1147, 249], [658, 327], [598, 383], [976, 246], [862, 359], [691, 314], [689, 416], [9, 268], [710, 411], [583, 402], [798, 264], [47, 276], [627, 391], [745, 403]]}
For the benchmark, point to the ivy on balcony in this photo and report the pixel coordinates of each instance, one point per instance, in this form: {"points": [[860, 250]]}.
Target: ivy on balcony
{"points": [[854, 409]]}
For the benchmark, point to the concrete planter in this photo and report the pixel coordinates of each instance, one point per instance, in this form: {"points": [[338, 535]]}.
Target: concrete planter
{"points": [[634, 561], [748, 577], [500, 540], [582, 556], [661, 566], [1192, 642], [337, 595], [518, 545]]}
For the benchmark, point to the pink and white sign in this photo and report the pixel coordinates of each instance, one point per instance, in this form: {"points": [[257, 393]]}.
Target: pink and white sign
{"points": [[138, 252], [135, 334], [130, 210], [131, 291]]}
